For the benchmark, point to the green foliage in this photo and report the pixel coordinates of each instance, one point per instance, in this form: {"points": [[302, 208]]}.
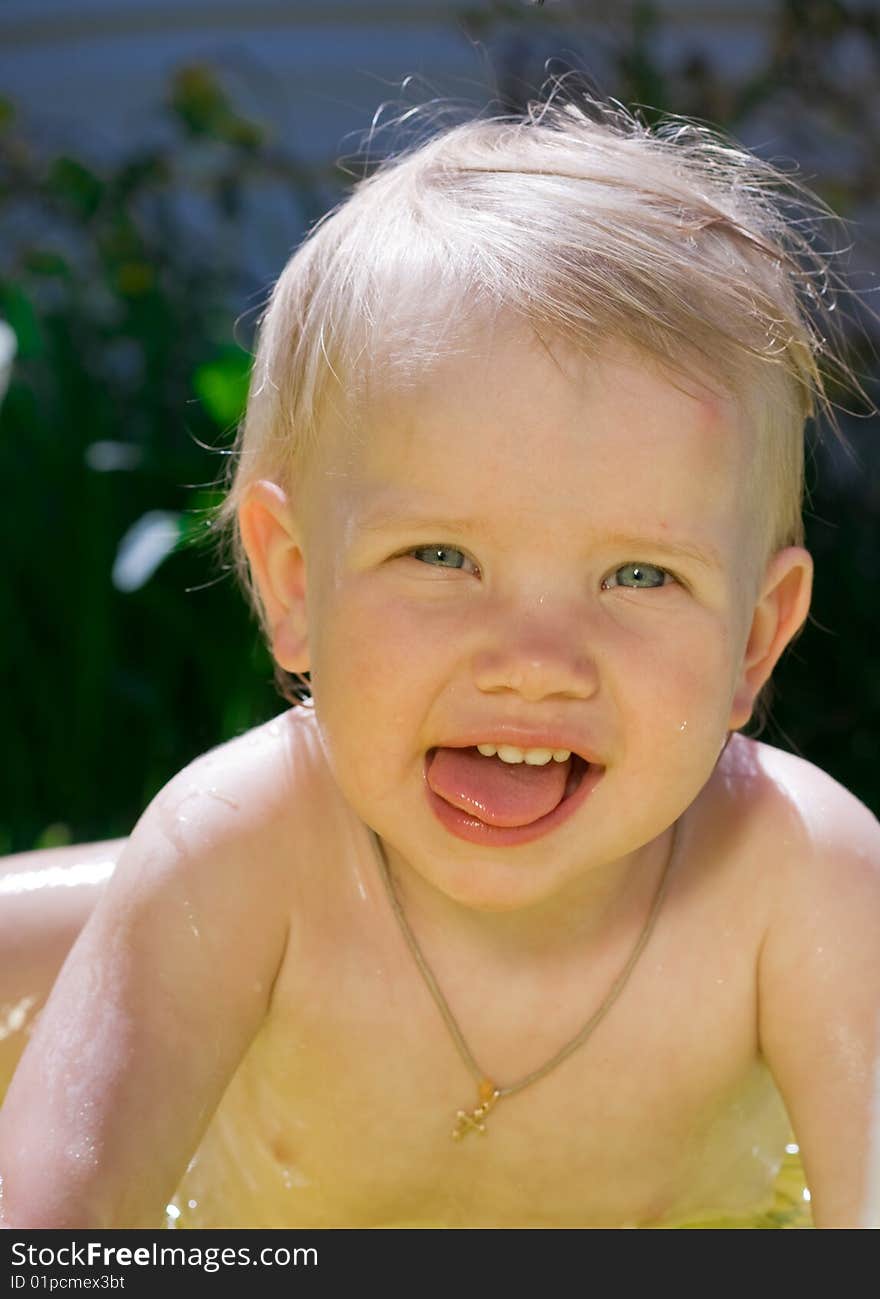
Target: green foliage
{"points": [[73, 186], [18, 311], [222, 383], [129, 383], [126, 389], [199, 102]]}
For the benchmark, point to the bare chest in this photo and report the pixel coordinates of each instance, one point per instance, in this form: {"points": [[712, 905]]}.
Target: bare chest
{"points": [[342, 1113]]}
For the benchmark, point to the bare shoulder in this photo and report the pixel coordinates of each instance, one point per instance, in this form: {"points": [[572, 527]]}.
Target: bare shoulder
{"points": [[227, 816], [827, 846], [810, 822], [217, 844], [244, 795], [249, 774], [772, 833], [825, 807]]}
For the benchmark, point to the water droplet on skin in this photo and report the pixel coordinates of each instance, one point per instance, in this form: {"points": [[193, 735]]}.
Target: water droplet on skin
{"points": [[683, 726], [221, 798], [292, 1177], [190, 918], [13, 1017]]}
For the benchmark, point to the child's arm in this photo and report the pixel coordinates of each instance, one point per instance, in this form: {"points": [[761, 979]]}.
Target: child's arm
{"points": [[46, 896], [152, 1011], [819, 1000]]}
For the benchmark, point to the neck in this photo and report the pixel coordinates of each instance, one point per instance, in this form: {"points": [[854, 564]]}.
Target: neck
{"points": [[590, 911]]}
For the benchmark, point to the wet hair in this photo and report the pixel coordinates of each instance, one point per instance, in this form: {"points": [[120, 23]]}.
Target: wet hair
{"points": [[591, 226]]}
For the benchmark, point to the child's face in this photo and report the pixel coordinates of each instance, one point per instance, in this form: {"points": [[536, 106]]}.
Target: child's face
{"points": [[555, 491]]}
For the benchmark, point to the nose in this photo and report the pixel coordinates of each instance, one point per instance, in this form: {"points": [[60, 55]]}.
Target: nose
{"points": [[535, 655]]}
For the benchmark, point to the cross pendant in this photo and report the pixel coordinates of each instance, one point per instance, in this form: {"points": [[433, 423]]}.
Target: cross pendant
{"points": [[472, 1121]]}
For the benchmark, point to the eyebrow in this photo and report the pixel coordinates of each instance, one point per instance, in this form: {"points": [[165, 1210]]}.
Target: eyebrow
{"points": [[707, 556], [382, 521], [386, 520]]}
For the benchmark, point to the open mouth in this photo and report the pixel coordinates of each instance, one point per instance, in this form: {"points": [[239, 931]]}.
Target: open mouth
{"points": [[484, 799]]}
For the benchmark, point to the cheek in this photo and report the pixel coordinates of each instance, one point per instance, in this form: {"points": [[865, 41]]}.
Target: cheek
{"points": [[679, 682], [374, 658], [372, 679], [701, 670]]}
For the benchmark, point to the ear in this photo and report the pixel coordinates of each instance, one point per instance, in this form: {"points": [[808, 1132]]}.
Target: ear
{"points": [[782, 606], [274, 550]]}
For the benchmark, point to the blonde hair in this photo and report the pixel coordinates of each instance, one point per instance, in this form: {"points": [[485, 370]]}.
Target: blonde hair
{"points": [[590, 225]]}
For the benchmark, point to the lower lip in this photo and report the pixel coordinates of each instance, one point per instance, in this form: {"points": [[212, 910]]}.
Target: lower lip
{"points": [[473, 830]]}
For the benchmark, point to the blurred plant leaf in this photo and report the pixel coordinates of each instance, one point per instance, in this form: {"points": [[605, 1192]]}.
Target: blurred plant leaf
{"points": [[18, 311], [221, 385], [108, 456], [7, 355], [134, 279], [199, 102], [76, 185], [143, 548], [43, 261], [139, 172], [56, 835]]}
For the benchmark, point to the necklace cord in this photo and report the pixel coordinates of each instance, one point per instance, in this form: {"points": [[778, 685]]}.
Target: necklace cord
{"points": [[443, 1006]]}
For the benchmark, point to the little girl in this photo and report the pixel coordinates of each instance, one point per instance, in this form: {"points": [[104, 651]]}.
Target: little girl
{"points": [[510, 926]]}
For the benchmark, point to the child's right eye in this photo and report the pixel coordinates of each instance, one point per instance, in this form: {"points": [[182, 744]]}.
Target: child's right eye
{"points": [[441, 557]]}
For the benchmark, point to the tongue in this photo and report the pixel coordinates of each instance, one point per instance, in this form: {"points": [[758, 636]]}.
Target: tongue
{"points": [[499, 793]]}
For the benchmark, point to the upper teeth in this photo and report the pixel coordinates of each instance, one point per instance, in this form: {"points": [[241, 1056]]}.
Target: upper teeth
{"points": [[534, 757]]}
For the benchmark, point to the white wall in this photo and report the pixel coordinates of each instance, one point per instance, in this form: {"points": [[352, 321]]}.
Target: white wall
{"points": [[91, 74]]}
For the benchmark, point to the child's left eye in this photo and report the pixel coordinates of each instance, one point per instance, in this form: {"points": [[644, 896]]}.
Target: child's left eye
{"points": [[644, 577], [441, 556]]}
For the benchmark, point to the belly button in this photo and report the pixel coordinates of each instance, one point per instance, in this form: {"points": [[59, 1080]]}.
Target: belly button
{"points": [[281, 1152]]}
